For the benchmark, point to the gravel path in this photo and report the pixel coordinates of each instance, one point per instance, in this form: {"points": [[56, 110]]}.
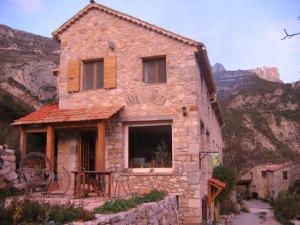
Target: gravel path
{"points": [[260, 214]]}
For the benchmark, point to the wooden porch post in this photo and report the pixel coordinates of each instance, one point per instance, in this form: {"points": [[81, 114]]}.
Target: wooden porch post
{"points": [[50, 145], [22, 142], [100, 150]]}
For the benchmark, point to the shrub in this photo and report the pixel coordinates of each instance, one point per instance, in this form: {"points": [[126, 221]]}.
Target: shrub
{"points": [[28, 212], [295, 187], [228, 176], [287, 205], [121, 205]]}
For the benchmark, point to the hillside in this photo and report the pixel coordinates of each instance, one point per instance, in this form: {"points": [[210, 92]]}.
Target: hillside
{"points": [[262, 118], [26, 81]]}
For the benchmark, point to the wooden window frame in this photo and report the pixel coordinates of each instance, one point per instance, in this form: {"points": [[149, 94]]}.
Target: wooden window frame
{"points": [[264, 174], [147, 170], [95, 60], [285, 175], [159, 57]]}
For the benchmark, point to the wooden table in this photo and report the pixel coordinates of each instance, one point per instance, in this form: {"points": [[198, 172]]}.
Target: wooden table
{"points": [[100, 181]]}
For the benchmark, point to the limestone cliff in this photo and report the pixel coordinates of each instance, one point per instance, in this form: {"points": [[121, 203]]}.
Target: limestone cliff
{"points": [[26, 81], [262, 118]]}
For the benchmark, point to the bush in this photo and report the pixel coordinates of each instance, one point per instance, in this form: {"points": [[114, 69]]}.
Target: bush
{"points": [[228, 176], [28, 212], [121, 205], [287, 205], [295, 187]]}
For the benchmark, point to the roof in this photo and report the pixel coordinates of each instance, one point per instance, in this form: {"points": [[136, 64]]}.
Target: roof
{"points": [[274, 167], [53, 114], [216, 182], [124, 17]]}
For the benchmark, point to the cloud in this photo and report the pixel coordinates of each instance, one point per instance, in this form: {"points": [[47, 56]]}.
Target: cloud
{"points": [[31, 6]]}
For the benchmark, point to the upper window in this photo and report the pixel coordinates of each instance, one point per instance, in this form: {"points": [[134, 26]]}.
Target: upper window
{"points": [[155, 70], [264, 174], [150, 146], [93, 75], [284, 175]]}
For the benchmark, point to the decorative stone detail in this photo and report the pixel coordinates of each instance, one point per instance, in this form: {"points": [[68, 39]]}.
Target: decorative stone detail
{"points": [[163, 213]]}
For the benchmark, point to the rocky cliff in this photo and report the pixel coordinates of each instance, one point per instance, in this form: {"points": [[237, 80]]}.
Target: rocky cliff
{"points": [[26, 80], [262, 118]]}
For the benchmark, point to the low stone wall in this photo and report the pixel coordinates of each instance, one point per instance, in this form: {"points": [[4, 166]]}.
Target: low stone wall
{"points": [[8, 165], [154, 213], [227, 219]]}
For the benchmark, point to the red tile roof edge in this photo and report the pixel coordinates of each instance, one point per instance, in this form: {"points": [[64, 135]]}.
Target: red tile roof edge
{"points": [[217, 182], [125, 17], [52, 114]]}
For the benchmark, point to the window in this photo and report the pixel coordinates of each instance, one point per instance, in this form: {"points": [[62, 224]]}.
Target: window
{"points": [[155, 70], [264, 174], [284, 175], [149, 146], [93, 75]]}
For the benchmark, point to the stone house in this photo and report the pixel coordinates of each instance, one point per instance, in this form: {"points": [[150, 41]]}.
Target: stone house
{"points": [[133, 96], [266, 181]]}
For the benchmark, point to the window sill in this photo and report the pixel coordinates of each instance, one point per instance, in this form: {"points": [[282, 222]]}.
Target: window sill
{"points": [[153, 84], [148, 172]]}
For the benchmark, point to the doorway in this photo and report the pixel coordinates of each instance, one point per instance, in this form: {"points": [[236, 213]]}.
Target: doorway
{"points": [[87, 151]]}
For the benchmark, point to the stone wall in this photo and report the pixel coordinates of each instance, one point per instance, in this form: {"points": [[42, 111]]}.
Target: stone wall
{"points": [[162, 213], [89, 38], [8, 165]]}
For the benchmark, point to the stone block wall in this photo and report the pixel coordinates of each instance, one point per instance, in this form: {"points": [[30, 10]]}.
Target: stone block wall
{"points": [[89, 38], [8, 165], [163, 213]]}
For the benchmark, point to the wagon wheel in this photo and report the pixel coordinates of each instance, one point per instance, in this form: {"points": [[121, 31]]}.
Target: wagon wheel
{"points": [[36, 169], [62, 181]]}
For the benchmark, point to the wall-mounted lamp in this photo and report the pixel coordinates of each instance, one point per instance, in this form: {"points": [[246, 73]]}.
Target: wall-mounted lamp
{"points": [[111, 45], [184, 112]]}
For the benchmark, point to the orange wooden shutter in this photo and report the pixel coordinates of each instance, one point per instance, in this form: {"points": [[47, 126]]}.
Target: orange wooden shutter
{"points": [[110, 72], [74, 76]]}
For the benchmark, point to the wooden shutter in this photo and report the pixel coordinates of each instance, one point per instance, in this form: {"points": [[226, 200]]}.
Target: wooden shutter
{"points": [[74, 76], [110, 72]]}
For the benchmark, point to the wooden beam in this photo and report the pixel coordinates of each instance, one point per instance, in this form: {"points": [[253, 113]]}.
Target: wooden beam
{"points": [[100, 147], [36, 130], [68, 126], [23, 141], [50, 145]]}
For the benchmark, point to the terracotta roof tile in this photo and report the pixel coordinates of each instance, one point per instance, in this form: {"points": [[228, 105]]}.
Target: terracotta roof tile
{"points": [[216, 182], [125, 17], [53, 114]]}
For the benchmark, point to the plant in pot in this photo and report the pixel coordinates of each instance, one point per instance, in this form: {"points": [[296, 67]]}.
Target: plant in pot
{"points": [[162, 156]]}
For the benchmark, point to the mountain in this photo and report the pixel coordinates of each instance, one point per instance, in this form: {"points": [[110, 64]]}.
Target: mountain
{"points": [[229, 82], [26, 80], [262, 117]]}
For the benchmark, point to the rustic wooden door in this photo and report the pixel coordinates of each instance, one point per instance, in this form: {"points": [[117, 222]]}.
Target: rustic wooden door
{"points": [[87, 151]]}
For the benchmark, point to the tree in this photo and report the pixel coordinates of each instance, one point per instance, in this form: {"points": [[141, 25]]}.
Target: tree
{"points": [[287, 35]]}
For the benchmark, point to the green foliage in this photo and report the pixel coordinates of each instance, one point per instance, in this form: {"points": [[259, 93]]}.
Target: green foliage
{"points": [[162, 155], [28, 212], [287, 205], [229, 177], [295, 187], [121, 205]]}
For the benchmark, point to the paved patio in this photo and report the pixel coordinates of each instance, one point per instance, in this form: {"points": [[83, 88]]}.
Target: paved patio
{"points": [[260, 214]]}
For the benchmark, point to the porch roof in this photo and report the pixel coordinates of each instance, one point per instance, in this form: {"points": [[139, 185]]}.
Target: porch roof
{"points": [[53, 114], [216, 182]]}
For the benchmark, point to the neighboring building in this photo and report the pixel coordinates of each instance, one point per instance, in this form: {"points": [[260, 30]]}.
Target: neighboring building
{"points": [[266, 181], [133, 96]]}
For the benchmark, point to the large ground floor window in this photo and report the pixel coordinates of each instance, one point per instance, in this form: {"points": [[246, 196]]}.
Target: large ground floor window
{"points": [[149, 146]]}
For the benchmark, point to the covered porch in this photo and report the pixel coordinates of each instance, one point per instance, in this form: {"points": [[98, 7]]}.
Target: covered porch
{"points": [[73, 140]]}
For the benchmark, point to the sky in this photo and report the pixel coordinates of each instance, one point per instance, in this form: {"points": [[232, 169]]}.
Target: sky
{"points": [[240, 34]]}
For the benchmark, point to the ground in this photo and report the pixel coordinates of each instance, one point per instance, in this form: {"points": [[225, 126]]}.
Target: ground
{"points": [[260, 214]]}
